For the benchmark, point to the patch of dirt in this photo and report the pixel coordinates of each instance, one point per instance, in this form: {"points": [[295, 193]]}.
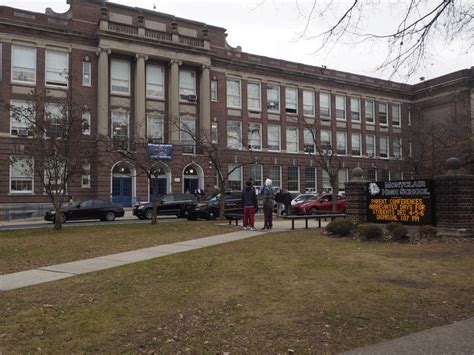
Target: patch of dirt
{"points": [[405, 283]]}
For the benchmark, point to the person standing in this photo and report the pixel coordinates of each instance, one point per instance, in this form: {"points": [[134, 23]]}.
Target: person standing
{"points": [[279, 200], [249, 201], [286, 202], [268, 201]]}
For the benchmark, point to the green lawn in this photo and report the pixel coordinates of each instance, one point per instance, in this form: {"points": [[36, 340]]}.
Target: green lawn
{"points": [[267, 294]]}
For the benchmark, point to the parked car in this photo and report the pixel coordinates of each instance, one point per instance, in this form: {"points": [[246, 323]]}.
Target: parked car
{"points": [[89, 209], [301, 198], [208, 207], [174, 204], [322, 203]]}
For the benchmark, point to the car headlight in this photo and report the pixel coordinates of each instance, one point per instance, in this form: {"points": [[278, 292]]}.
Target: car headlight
{"points": [[52, 212]]}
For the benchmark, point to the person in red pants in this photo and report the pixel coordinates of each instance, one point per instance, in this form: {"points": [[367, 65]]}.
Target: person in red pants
{"points": [[249, 201]]}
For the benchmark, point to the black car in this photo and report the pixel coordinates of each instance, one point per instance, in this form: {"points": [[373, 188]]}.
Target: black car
{"points": [[174, 204], [90, 209], [208, 207]]}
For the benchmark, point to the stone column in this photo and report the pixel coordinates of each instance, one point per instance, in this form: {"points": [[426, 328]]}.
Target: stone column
{"points": [[140, 101], [356, 194], [173, 101], [103, 92], [205, 100]]}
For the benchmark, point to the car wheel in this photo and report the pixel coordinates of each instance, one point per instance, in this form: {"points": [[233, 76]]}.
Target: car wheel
{"points": [[61, 216], [149, 214], [313, 211], [109, 216], [212, 214]]}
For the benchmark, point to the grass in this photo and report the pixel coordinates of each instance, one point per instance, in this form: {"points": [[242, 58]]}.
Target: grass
{"points": [[27, 249], [266, 294]]}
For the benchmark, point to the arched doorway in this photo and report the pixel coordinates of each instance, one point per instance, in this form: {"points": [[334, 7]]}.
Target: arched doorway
{"points": [[161, 180], [122, 183], [193, 178]]}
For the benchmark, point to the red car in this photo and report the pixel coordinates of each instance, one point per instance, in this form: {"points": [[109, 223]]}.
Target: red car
{"points": [[322, 203]]}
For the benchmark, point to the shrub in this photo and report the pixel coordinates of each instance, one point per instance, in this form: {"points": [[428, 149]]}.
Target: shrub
{"points": [[428, 232], [340, 226], [369, 231], [399, 233], [391, 226]]}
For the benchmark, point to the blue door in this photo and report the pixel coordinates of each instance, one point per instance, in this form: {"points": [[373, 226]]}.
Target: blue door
{"points": [[161, 185], [122, 190]]}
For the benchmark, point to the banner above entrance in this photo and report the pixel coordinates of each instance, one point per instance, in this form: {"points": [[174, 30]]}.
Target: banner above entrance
{"points": [[160, 151]]}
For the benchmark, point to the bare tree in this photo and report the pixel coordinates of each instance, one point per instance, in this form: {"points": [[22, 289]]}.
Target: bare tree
{"points": [[420, 24], [57, 148]]}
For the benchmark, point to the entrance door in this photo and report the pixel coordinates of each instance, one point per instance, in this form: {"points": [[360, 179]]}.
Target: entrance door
{"points": [[161, 184], [122, 190], [191, 184]]}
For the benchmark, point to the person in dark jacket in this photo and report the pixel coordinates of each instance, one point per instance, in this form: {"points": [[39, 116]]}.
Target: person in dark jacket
{"points": [[286, 202], [249, 201], [268, 195]]}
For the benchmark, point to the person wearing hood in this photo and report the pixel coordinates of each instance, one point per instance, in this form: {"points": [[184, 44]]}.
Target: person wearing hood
{"points": [[268, 201], [249, 201]]}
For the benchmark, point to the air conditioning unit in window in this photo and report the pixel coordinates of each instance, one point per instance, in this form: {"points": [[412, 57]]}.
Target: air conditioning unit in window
{"points": [[192, 98], [271, 104], [326, 152], [397, 156], [22, 132], [371, 155]]}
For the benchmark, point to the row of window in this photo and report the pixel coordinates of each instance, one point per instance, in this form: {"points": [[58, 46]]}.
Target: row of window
{"points": [[22, 176]]}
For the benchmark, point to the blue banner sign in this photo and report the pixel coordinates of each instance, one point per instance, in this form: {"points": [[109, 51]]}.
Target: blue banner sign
{"points": [[160, 151]]}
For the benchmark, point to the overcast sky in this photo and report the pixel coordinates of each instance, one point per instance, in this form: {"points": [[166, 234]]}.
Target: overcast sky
{"points": [[272, 28]]}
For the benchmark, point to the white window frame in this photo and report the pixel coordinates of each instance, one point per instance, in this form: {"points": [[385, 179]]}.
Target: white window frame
{"points": [[214, 92], [291, 105], [232, 98], [275, 108], [397, 141], [126, 115], [257, 99], [355, 101], [113, 64], [357, 147], [373, 138], [384, 146], [49, 110], [298, 178], [396, 111], [187, 89], [270, 130], [86, 123], [342, 178], [323, 143], [14, 159], [309, 137], [341, 137], [86, 73], [86, 176], [236, 175], [51, 82], [276, 178], [187, 131], [155, 81], [234, 139], [292, 140], [308, 107], [160, 128], [315, 170], [326, 182], [214, 132], [321, 107], [254, 128], [256, 174], [22, 124], [31, 69], [339, 109], [379, 105], [369, 103]]}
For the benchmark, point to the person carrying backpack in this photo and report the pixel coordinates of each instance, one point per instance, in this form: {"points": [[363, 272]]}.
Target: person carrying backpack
{"points": [[268, 201], [249, 201]]}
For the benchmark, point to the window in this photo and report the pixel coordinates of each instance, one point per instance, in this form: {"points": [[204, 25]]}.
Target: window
{"points": [[397, 148], [383, 114], [292, 145], [325, 104], [86, 176], [86, 73], [384, 147], [255, 136], [57, 68], [385, 175], [342, 178], [233, 93], [274, 138], [326, 182], [235, 177], [396, 115], [370, 145], [293, 178], [214, 133], [274, 173], [291, 100], [254, 99], [187, 85], [23, 65], [326, 140], [21, 118], [234, 135], [54, 172], [341, 143], [120, 122], [213, 90], [54, 117], [155, 129], [256, 174], [188, 132], [355, 109], [396, 176], [273, 98], [21, 174], [372, 174], [86, 123], [311, 179], [308, 103], [120, 77], [155, 81], [410, 149], [356, 144], [309, 138], [340, 107], [369, 111]]}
